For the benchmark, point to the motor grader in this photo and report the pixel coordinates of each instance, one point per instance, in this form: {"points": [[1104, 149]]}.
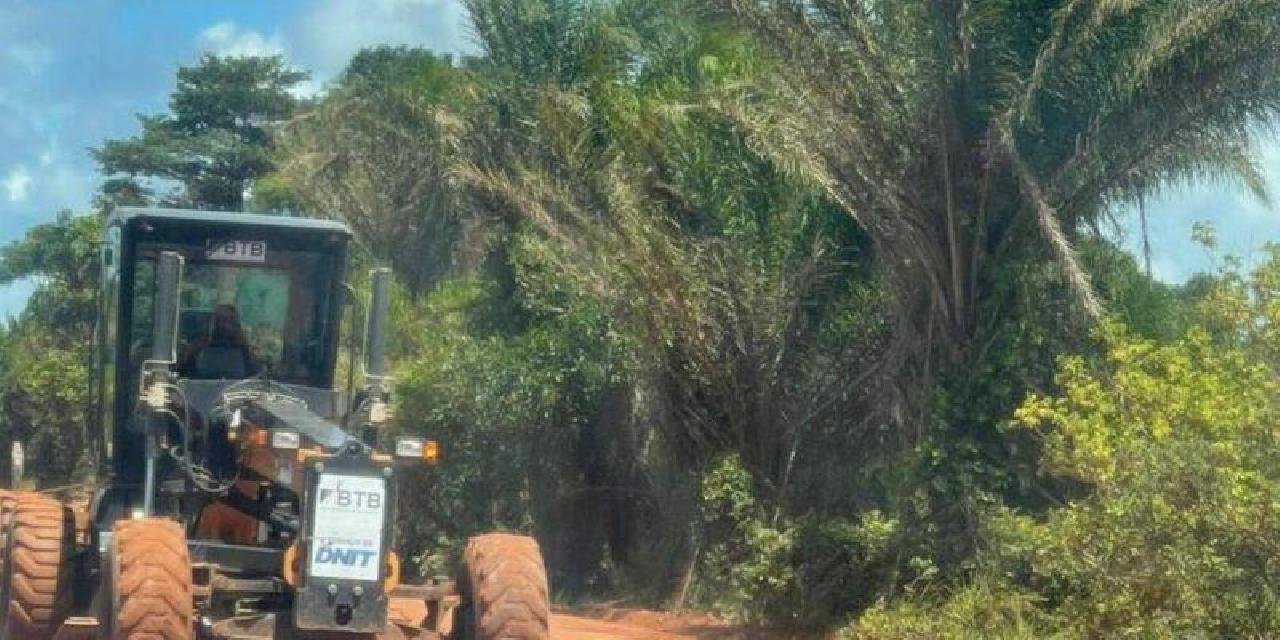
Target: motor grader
{"points": [[241, 495]]}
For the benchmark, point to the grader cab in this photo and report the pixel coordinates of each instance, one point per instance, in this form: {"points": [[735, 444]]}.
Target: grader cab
{"points": [[241, 494]]}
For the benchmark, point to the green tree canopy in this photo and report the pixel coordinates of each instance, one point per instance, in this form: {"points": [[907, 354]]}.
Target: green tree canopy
{"points": [[44, 381], [213, 144]]}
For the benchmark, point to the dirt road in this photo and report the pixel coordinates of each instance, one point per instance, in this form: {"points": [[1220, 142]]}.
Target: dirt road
{"points": [[604, 623], [567, 627], [647, 625]]}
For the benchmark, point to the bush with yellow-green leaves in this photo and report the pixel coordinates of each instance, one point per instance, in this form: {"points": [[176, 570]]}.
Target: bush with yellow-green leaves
{"points": [[1174, 528]]}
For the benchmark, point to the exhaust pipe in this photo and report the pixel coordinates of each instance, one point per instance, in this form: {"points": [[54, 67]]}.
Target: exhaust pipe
{"points": [[158, 373], [375, 338], [164, 331], [17, 464], [375, 355]]}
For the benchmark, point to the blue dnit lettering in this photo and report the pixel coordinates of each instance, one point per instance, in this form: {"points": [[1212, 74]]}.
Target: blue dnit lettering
{"points": [[348, 557]]}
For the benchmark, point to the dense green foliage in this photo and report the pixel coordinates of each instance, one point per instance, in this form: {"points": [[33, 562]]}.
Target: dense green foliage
{"points": [[800, 311], [1173, 532], [44, 352]]}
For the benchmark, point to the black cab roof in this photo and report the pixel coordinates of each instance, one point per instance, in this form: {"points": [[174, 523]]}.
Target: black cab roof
{"points": [[125, 215]]}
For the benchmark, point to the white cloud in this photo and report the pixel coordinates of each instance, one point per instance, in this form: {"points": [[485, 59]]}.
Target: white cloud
{"points": [[328, 32], [334, 30], [17, 183], [309, 88], [324, 37], [227, 39]]}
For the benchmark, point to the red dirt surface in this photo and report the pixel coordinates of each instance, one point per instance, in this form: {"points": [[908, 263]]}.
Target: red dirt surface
{"points": [[603, 623], [629, 624]]}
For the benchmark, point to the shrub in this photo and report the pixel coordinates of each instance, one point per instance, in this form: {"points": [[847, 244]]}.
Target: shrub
{"points": [[984, 609], [1181, 531], [744, 568], [803, 574], [1178, 533]]}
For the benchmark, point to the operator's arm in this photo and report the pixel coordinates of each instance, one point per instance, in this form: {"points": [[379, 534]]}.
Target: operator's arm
{"points": [[187, 362]]}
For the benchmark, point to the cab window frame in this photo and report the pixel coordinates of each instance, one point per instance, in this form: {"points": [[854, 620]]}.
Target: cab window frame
{"points": [[306, 273]]}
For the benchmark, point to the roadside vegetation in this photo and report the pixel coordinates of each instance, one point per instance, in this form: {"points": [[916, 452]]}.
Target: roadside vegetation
{"points": [[806, 313]]}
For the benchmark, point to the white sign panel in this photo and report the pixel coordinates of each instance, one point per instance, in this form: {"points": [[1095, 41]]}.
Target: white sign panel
{"points": [[237, 251], [347, 538]]}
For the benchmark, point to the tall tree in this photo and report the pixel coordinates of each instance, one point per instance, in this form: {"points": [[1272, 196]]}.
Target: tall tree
{"points": [[377, 151], [975, 140], [214, 142], [966, 135], [729, 275], [44, 353]]}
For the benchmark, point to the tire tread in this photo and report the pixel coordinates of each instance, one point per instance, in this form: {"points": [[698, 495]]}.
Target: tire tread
{"points": [[507, 582], [152, 587], [38, 539]]}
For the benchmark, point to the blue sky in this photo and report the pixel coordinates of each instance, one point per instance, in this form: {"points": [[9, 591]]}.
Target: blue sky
{"points": [[73, 73], [1244, 224]]}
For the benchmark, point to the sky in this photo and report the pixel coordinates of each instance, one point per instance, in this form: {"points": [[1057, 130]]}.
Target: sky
{"points": [[1243, 223], [73, 73]]}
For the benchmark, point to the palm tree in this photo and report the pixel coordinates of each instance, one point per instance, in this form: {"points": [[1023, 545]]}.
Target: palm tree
{"points": [[970, 136], [724, 271], [377, 151]]}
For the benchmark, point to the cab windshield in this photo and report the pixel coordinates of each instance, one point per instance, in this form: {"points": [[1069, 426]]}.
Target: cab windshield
{"points": [[240, 320]]}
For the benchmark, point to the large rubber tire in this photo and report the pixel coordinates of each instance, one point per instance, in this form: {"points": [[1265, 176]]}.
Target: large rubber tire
{"points": [[504, 586], [37, 572], [150, 581], [8, 502]]}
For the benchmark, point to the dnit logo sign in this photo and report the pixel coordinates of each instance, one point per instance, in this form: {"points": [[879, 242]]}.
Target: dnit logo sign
{"points": [[343, 556]]}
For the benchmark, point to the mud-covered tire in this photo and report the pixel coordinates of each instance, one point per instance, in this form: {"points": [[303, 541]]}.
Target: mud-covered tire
{"points": [[150, 581], [8, 501], [36, 577], [504, 588]]}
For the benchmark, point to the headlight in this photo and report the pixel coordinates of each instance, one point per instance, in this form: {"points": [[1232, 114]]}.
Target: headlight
{"points": [[410, 448], [285, 439]]}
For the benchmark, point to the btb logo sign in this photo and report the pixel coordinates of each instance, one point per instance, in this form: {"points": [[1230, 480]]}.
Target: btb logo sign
{"points": [[347, 527], [343, 499]]}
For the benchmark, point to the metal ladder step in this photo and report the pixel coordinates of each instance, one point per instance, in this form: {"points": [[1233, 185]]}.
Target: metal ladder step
{"points": [[78, 628]]}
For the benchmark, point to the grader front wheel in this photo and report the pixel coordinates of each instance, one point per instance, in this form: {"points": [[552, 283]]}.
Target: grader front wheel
{"points": [[36, 574], [504, 586], [150, 581], [8, 502]]}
